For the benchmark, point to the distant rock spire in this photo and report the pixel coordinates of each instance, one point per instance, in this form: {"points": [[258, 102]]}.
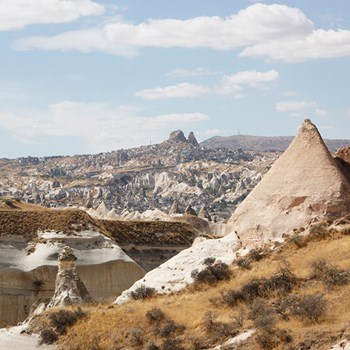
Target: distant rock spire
{"points": [[174, 209], [192, 139], [189, 210], [204, 214]]}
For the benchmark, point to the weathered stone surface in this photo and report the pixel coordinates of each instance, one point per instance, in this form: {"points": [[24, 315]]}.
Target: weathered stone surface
{"points": [[69, 288], [303, 184]]}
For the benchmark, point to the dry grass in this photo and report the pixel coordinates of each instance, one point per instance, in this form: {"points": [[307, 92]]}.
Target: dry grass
{"points": [[108, 327]]}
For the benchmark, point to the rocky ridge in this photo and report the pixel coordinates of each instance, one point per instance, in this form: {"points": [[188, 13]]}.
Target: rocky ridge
{"points": [[139, 179]]}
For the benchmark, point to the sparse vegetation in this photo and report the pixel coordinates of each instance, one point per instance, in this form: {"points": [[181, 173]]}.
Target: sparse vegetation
{"points": [[48, 336], [62, 319], [142, 292], [214, 271], [285, 290]]}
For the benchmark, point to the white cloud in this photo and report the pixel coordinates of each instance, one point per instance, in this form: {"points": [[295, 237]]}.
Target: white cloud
{"points": [[318, 44], [321, 112], [16, 14], [102, 126], [86, 40], [277, 32], [289, 93], [257, 23], [285, 106], [183, 90], [229, 85], [182, 73], [233, 84]]}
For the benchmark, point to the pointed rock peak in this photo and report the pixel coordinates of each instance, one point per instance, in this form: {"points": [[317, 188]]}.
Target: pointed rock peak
{"points": [[204, 214], [304, 184], [177, 136], [190, 211], [174, 209], [192, 139]]}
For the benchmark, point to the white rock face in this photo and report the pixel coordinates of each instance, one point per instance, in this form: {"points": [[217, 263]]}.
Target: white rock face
{"points": [[175, 274], [304, 184]]}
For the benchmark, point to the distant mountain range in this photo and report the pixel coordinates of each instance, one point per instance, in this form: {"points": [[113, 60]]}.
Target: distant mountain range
{"points": [[262, 143]]}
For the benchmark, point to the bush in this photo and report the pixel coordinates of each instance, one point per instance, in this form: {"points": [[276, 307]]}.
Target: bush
{"points": [[243, 263], [214, 272], [310, 307], [319, 231], [155, 315], [232, 297], [142, 292], [319, 267], [172, 344], [266, 340], [136, 336], [256, 255], [298, 240], [151, 346], [217, 330], [334, 276], [281, 283], [48, 336], [63, 319]]}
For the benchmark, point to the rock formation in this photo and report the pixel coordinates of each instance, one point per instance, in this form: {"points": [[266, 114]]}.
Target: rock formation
{"points": [[190, 211], [69, 288], [303, 184], [174, 209], [177, 136], [204, 214], [192, 139]]}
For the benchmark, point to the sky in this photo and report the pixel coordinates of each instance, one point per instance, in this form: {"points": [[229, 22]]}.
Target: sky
{"points": [[89, 76]]}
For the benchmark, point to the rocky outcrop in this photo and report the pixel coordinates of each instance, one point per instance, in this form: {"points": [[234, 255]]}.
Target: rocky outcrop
{"points": [[69, 288], [305, 183], [177, 136], [191, 139], [204, 214]]}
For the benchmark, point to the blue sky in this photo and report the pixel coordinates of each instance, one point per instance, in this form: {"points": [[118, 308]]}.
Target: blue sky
{"points": [[84, 76]]}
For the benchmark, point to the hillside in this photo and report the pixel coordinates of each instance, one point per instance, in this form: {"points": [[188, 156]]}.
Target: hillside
{"points": [[291, 296], [262, 143]]}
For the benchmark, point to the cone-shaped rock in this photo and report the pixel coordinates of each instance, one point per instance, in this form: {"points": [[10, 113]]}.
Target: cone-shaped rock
{"points": [[192, 139], [204, 214], [304, 183], [174, 209]]}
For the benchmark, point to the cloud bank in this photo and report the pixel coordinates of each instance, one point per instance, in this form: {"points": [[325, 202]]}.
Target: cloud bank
{"points": [[103, 127], [16, 14], [277, 32]]}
